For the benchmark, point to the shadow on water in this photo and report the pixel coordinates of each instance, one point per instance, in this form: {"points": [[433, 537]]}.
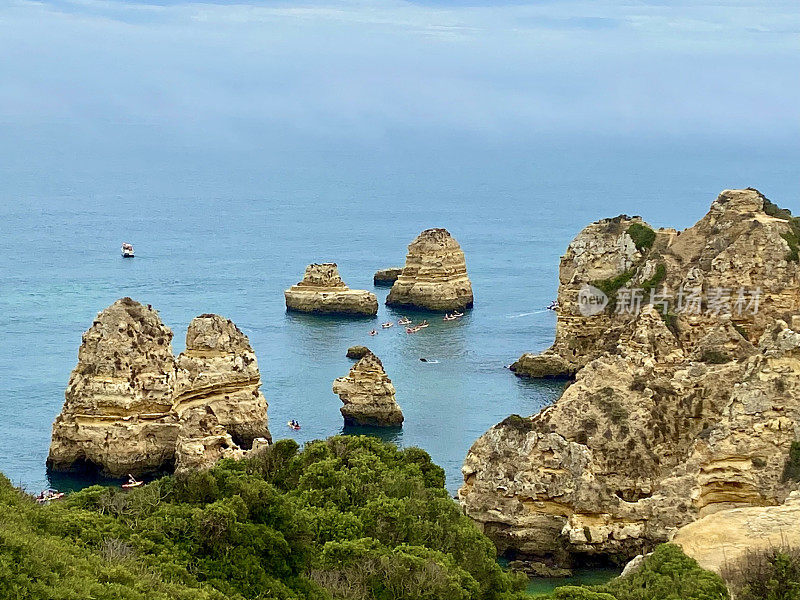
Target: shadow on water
{"points": [[386, 434], [538, 586]]}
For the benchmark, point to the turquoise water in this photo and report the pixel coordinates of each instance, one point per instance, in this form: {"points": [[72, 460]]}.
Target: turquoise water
{"points": [[596, 576], [228, 233]]}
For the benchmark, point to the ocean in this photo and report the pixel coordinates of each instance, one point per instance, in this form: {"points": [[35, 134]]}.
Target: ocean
{"points": [[227, 232]]}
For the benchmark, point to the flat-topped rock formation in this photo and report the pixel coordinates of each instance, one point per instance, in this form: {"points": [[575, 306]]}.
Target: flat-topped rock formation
{"points": [[434, 276], [357, 352], [368, 395], [742, 243], [386, 276], [322, 291], [671, 417], [131, 407]]}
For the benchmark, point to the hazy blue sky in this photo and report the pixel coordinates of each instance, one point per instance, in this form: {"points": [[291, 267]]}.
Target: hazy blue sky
{"points": [[360, 68]]}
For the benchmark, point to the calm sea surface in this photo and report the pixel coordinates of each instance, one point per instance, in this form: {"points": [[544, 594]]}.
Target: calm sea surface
{"points": [[228, 234]]}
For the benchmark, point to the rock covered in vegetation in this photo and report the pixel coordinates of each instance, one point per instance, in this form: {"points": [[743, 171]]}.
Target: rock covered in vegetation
{"points": [[386, 276], [434, 276], [129, 403], [744, 242], [368, 395], [357, 352], [322, 291], [665, 422]]}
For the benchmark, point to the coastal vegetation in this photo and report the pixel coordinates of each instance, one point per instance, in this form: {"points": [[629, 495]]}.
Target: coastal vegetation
{"points": [[642, 236], [346, 518], [666, 574]]}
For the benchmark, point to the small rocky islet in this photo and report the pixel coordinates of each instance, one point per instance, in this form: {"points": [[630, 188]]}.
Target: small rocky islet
{"points": [[675, 425]]}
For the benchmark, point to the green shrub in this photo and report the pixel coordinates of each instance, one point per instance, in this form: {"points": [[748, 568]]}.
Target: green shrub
{"points": [[772, 574], [715, 357], [348, 517], [642, 236], [667, 574]]}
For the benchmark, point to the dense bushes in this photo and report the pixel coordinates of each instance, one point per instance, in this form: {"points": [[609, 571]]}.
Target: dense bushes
{"points": [[667, 574], [642, 236], [350, 518]]}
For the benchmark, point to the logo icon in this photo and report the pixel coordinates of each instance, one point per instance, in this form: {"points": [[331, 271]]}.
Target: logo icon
{"points": [[591, 301]]}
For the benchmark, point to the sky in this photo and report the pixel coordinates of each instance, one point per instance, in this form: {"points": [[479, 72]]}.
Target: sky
{"points": [[361, 68]]}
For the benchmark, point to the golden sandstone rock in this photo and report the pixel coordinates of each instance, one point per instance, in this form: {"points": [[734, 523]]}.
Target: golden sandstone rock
{"points": [[132, 408], [322, 291], [368, 395], [434, 276], [668, 419]]}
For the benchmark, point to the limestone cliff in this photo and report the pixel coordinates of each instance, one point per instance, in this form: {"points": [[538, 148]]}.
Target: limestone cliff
{"points": [[668, 419], [129, 403], [368, 395], [434, 276], [743, 244], [322, 291], [717, 542]]}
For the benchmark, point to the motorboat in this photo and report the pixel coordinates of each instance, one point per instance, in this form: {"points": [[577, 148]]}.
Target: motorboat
{"points": [[127, 250], [387, 325]]}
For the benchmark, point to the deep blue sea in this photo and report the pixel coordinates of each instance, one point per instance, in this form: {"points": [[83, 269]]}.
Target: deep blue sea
{"points": [[228, 232]]}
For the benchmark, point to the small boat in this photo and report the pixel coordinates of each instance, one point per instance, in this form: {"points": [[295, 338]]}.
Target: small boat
{"points": [[387, 325], [553, 305], [449, 317], [423, 324], [293, 425], [457, 314], [132, 482], [47, 495], [127, 250], [374, 332], [404, 321], [412, 329]]}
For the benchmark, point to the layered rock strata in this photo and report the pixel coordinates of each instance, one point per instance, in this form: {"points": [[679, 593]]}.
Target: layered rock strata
{"points": [[368, 395], [668, 419], [322, 291], [434, 276], [742, 244], [132, 408], [386, 276]]}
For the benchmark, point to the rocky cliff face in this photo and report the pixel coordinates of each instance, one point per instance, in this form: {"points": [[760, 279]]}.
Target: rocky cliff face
{"points": [[668, 420], [740, 245], [434, 276], [368, 395], [322, 291], [719, 541], [130, 404]]}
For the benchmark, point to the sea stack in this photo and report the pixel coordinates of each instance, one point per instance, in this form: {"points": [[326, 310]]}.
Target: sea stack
{"points": [[674, 414], [218, 398], [434, 276], [368, 395], [322, 291], [129, 402]]}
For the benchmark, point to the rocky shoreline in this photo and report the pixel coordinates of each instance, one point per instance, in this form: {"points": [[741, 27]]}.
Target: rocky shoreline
{"points": [[672, 416]]}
